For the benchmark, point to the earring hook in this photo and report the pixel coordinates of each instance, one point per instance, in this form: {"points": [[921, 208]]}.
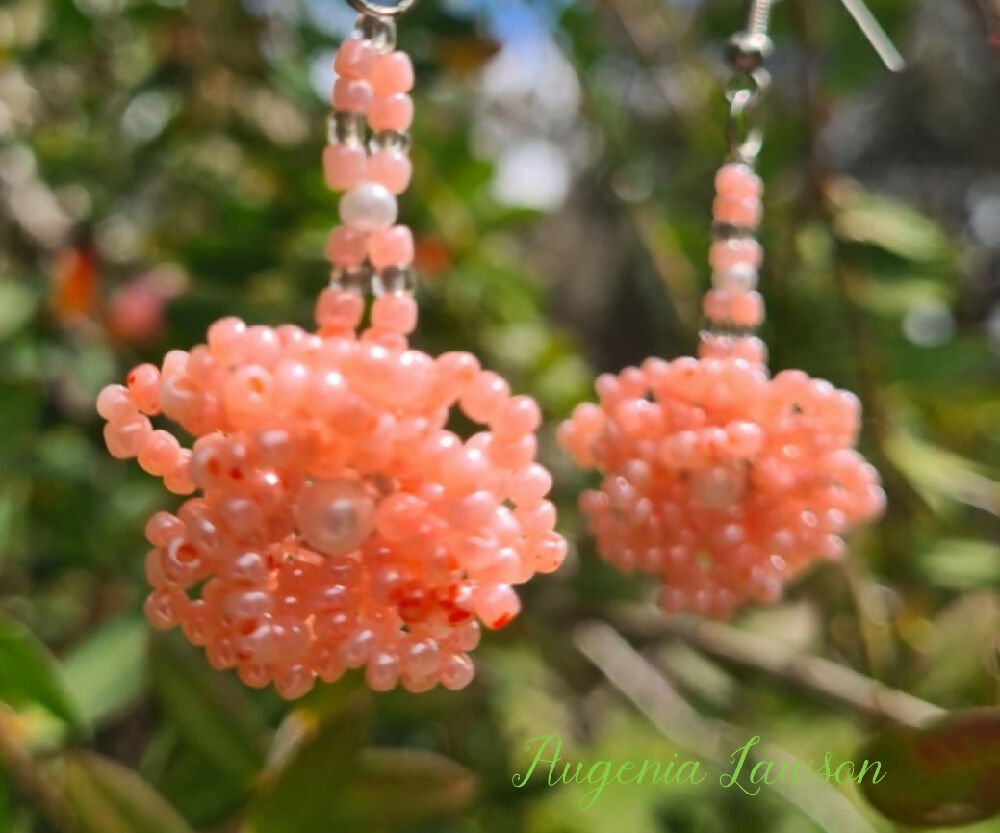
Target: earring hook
{"points": [[876, 35], [759, 15], [382, 9]]}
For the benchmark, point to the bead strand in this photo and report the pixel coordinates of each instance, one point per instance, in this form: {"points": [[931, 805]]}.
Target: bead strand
{"points": [[371, 98], [733, 307], [130, 434]]}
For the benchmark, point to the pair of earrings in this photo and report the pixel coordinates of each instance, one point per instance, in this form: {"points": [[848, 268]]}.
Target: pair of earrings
{"points": [[340, 524]]}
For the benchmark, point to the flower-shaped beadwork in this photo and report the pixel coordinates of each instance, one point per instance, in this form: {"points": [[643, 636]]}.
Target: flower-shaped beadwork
{"points": [[722, 481], [340, 523]]}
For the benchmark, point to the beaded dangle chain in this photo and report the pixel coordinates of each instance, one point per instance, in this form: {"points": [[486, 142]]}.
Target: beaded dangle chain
{"points": [[337, 522], [720, 480]]}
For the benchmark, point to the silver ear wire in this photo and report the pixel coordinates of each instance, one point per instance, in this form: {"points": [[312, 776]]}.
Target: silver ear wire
{"points": [[873, 31], [382, 9], [759, 14]]}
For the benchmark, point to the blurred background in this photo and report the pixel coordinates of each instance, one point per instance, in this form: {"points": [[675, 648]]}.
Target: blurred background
{"points": [[159, 168]]}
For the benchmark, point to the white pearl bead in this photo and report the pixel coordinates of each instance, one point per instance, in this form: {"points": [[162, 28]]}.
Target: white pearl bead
{"points": [[335, 516], [741, 276], [368, 207]]}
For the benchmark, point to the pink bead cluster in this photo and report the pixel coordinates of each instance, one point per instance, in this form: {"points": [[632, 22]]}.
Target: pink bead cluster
{"points": [[340, 524], [373, 84], [720, 480]]}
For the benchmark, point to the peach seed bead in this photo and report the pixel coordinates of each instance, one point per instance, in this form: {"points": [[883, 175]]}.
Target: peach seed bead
{"points": [[344, 166], [247, 394], [391, 112], [143, 386], [339, 309], [517, 417], [530, 485], [497, 604], [751, 350], [392, 73], [738, 181], [744, 212], [485, 396], [457, 672], [159, 453], [395, 313], [352, 96], [347, 246], [126, 438], [747, 309], [224, 338], [355, 59], [114, 403], [727, 254], [175, 363], [458, 367], [391, 168], [717, 305], [391, 247]]}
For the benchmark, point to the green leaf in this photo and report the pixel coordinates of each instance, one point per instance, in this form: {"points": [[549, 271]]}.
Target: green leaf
{"points": [[300, 797], [956, 655], [30, 675], [891, 225], [897, 297], [17, 305], [109, 798], [940, 776], [937, 473], [19, 419], [210, 710], [962, 564], [203, 794], [108, 671], [424, 786]]}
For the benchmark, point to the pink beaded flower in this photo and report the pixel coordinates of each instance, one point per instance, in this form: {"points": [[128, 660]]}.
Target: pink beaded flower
{"points": [[339, 523], [722, 481]]}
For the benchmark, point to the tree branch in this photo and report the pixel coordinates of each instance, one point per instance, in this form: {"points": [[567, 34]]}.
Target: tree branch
{"points": [[712, 740], [805, 672]]}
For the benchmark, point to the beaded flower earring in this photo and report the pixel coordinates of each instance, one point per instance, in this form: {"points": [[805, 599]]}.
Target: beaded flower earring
{"points": [[340, 524], [723, 482]]}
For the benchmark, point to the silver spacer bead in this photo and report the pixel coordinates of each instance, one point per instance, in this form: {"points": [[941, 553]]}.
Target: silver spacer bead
{"points": [[391, 140], [742, 276], [728, 338], [381, 31], [358, 280], [727, 329], [394, 280], [731, 231], [344, 128]]}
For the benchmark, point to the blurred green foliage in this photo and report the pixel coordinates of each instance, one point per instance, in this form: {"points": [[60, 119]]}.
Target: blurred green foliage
{"points": [[159, 168]]}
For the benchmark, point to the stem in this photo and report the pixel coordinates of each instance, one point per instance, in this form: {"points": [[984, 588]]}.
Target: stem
{"points": [[27, 776], [805, 672]]}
